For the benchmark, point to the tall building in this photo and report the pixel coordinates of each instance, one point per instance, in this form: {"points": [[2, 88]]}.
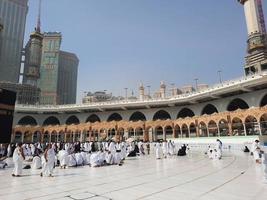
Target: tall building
{"points": [[13, 14], [33, 55], [58, 72], [1, 30], [48, 81], [67, 78], [256, 59]]}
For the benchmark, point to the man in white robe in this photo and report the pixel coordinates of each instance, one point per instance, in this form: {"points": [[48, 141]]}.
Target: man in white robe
{"points": [[32, 147], [165, 149], [255, 150], [94, 160], [123, 150], [109, 158], [18, 157], [72, 160], [256, 155], [79, 159], [215, 155], [264, 163], [36, 163], [85, 158], [170, 148], [63, 158], [117, 158], [219, 148], [101, 159], [48, 161], [158, 150], [112, 148], [9, 151]]}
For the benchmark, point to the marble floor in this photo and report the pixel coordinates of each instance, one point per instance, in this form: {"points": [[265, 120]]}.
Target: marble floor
{"points": [[235, 177]]}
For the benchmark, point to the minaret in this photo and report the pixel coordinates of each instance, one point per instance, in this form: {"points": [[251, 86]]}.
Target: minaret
{"points": [[256, 59], [162, 90], [141, 92], [33, 54]]}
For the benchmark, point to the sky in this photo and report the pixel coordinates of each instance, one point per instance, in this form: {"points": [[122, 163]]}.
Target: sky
{"points": [[122, 43]]}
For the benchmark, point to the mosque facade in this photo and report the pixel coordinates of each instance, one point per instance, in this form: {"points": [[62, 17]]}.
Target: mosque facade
{"points": [[231, 108]]}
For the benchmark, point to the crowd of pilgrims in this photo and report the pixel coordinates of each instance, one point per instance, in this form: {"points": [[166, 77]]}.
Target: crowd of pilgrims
{"points": [[96, 154], [47, 156]]}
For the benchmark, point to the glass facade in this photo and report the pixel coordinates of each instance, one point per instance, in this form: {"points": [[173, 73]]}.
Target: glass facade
{"points": [[67, 78], [13, 16], [49, 68]]}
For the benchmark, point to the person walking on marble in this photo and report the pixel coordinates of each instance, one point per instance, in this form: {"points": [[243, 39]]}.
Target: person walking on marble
{"points": [[48, 161], [18, 157]]}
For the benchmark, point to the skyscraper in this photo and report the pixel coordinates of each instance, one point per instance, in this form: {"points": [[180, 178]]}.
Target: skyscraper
{"points": [[1, 30], [13, 14], [33, 54], [48, 81], [67, 77], [256, 59], [58, 72]]}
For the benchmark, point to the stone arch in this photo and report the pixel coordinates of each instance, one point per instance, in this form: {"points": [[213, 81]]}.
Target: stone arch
{"points": [[72, 120], [27, 120], [61, 136], [237, 127], [93, 118], [139, 133], [193, 130], [169, 132], [213, 129], [53, 136], [251, 125], [209, 109], [114, 117], [131, 133], [51, 121], [95, 136], [185, 112], [223, 127], [27, 137], [18, 137], [159, 133], [137, 116], [203, 130], [102, 133], [185, 131], [37, 137], [161, 115], [46, 137], [121, 134], [236, 104], [177, 131], [263, 124], [69, 136], [263, 101]]}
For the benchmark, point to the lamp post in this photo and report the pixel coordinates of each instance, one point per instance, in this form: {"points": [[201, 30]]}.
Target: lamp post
{"points": [[148, 87], [173, 89], [220, 75], [126, 94], [196, 81]]}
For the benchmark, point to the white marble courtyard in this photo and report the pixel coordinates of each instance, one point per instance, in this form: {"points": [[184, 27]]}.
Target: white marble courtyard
{"points": [[236, 177]]}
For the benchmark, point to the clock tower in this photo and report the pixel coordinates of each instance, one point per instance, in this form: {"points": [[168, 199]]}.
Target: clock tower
{"points": [[33, 54], [256, 59]]}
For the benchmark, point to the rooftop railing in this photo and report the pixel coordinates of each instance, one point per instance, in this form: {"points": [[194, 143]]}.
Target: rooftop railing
{"points": [[213, 88]]}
